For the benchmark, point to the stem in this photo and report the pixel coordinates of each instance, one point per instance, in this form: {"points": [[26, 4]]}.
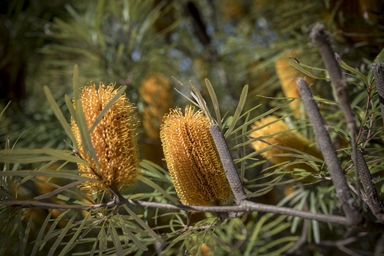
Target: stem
{"points": [[246, 206], [329, 153]]}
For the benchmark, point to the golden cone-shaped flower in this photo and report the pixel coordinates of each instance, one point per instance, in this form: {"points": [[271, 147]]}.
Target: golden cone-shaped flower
{"points": [[156, 93], [114, 138], [291, 139], [192, 158], [288, 76]]}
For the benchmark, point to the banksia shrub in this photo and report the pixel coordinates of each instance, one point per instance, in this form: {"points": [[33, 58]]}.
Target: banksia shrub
{"points": [[192, 158], [114, 138], [288, 76], [291, 139]]}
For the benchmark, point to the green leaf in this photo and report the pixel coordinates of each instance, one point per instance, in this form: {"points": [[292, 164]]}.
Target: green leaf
{"points": [[33, 155], [215, 102], [41, 233], [260, 116], [62, 174], [238, 111], [131, 236], [12, 231], [53, 226], [84, 133], [68, 245], [156, 170], [261, 127], [315, 223], [255, 233], [145, 226], [277, 242], [59, 190], [5, 108], [76, 89], [107, 107], [25, 238], [59, 115], [116, 240], [61, 236], [352, 70], [158, 188], [303, 70]]}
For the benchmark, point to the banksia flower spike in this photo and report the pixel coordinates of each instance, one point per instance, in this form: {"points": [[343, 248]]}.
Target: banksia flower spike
{"points": [[156, 93], [291, 139], [192, 158], [114, 138], [288, 76]]}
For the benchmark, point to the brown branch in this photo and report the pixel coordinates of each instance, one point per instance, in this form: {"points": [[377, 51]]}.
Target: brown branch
{"points": [[59, 190], [378, 70], [302, 240], [321, 39], [246, 206], [228, 164], [329, 154], [345, 241]]}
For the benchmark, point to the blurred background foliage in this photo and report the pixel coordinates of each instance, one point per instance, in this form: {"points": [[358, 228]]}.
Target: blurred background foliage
{"points": [[142, 44]]}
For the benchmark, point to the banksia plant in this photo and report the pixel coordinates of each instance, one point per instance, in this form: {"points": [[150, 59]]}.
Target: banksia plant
{"points": [[291, 139], [114, 138], [288, 76], [156, 93], [193, 160]]}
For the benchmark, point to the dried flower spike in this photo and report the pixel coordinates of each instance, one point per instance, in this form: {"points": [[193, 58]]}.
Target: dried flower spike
{"points": [[192, 159], [114, 138], [288, 76], [291, 139]]}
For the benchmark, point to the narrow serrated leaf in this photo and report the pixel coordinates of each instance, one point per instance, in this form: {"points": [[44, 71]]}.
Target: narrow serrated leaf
{"points": [[107, 107], [215, 102], [254, 235], [59, 115], [116, 241], [158, 188], [26, 235], [238, 111], [68, 245], [53, 226], [141, 222], [61, 236], [41, 233]]}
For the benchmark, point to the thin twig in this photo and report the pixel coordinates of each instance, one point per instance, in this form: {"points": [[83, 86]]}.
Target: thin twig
{"points": [[321, 39], [329, 154], [345, 241], [246, 206], [299, 243], [59, 190]]}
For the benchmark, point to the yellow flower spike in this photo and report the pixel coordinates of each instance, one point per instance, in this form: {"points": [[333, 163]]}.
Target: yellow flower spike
{"points": [[156, 93], [288, 76], [114, 138], [291, 139], [192, 158]]}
